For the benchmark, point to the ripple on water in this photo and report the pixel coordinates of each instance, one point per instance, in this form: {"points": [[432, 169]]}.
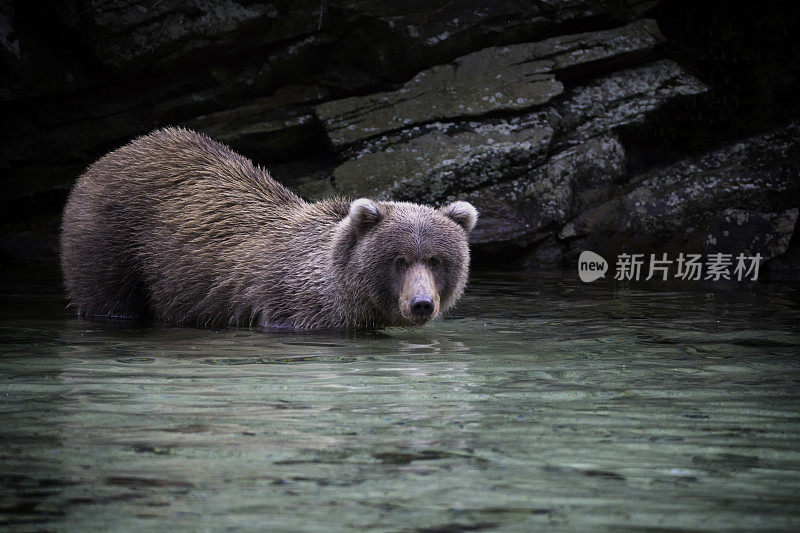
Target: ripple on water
{"points": [[540, 402]]}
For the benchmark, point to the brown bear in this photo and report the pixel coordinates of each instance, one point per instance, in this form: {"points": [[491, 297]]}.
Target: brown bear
{"points": [[177, 227]]}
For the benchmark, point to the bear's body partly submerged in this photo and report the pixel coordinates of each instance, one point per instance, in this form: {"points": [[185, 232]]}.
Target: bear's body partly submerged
{"points": [[177, 227]]}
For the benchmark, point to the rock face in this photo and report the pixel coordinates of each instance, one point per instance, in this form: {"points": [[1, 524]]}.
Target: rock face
{"points": [[521, 211], [751, 233], [688, 206], [510, 78], [610, 125], [428, 163], [130, 36]]}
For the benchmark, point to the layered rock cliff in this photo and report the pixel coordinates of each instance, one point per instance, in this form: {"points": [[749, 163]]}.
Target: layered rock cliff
{"points": [[610, 125]]}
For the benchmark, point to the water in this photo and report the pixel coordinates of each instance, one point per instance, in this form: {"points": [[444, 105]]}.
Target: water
{"points": [[541, 403]]}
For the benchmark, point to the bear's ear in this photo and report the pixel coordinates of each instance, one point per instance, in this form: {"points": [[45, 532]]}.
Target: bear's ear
{"points": [[462, 213], [364, 214]]}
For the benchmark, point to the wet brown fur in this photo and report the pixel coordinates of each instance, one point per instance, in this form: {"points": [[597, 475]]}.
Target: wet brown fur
{"points": [[177, 227]]}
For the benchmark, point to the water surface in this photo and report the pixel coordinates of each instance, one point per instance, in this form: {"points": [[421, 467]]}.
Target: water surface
{"points": [[541, 403]]}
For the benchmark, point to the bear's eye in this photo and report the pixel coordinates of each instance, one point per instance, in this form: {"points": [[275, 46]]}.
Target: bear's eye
{"points": [[434, 262], [400, 263]]}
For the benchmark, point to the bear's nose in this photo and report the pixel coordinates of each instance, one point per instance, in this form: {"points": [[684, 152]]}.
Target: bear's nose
{"points": [[421, 306]]}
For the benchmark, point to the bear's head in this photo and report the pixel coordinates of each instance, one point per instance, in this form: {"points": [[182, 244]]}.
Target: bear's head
{"points": [[406, 262]]}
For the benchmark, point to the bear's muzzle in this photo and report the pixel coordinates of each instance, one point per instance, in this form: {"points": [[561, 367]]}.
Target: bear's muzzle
{"points": [[419, 299]]}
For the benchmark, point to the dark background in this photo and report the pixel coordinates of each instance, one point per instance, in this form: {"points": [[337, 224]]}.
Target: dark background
{"points": [[677, 157]]}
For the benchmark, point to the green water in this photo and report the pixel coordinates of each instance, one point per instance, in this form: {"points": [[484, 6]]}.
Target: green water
{"points": [[541, 403]]}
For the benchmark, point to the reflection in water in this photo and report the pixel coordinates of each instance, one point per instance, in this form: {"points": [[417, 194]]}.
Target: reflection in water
{"points": [[540, 402]]}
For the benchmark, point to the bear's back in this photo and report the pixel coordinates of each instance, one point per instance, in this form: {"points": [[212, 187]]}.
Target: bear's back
{"points": [[174, 161], [161, 222]]}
